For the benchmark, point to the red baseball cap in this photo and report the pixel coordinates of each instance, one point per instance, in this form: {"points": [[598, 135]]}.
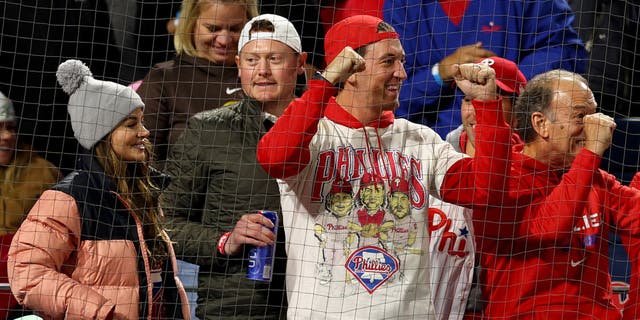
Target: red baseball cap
{"points": [[400, 185], [355, 32], [508, 77]]}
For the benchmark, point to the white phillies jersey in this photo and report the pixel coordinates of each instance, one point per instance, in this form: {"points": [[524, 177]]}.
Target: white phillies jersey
{"points": [[452, 250], [386, 276]]}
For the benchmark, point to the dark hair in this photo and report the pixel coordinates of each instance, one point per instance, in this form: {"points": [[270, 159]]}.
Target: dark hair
{"points": [[537, 97], [382, 27], [262, 25], [509, 95]]}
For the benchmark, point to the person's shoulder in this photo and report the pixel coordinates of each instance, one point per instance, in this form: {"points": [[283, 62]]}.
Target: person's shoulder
{"points": [[72, 181], [609, 178], [169, 64], [39, 161], [635, 182], [228, 110], [162, 67], [34, 163], [453, 137], [218, 118], [159, 75], [164, 71]]}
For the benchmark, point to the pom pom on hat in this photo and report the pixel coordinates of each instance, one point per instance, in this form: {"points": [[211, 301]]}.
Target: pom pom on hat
{"points": [[71, 74], [95, 107]]}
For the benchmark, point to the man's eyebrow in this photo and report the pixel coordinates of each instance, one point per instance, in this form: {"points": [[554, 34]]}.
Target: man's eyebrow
{"points": [[391, 55]]}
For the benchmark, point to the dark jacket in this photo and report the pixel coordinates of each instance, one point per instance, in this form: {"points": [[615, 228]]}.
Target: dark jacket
{"points": [[215, 180], [94, 254], [175, 90]]}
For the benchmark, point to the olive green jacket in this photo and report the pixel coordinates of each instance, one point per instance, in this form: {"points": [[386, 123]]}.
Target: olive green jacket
{"points": [[215, 180]]}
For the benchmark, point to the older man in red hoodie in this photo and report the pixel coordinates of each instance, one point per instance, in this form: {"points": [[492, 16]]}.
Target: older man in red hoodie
{"points": [[545, 250]]}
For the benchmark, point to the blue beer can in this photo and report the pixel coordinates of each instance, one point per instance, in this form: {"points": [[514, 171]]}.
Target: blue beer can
{"points": [[261, 259]]}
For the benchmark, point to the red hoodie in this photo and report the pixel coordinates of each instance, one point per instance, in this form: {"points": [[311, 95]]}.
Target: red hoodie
{"points": [[545, 251]]}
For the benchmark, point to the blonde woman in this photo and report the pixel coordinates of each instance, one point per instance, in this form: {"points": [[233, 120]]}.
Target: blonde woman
{"points": [[93, 246], [202, 75]]}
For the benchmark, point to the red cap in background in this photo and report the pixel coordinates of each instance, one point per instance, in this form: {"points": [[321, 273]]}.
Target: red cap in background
{"points": [[508, 77]]}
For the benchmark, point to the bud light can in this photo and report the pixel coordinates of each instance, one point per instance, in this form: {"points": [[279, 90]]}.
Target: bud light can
{"points": [[261, 258]]}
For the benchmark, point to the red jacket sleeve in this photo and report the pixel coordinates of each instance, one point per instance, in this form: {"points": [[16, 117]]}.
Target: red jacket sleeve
{"points": [[284, 150], [530, 211], [548, 217], [482, 180]]}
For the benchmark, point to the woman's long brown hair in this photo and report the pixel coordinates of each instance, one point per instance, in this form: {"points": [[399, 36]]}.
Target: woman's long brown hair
{"points": [[134, 185]]}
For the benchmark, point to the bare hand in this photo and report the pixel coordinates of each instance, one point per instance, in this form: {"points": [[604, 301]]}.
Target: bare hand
{"points": [[598, 131], [252, 229], [465, 54], [476, 80], [343, 66]]}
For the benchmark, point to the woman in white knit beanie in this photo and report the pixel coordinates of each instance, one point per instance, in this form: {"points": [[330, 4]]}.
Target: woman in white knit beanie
{"points": [[93, 246]]}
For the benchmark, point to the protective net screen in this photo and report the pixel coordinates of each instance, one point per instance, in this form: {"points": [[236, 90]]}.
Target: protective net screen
{"points": [[376, 219]]}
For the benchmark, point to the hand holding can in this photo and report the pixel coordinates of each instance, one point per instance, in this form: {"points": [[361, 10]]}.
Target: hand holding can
{"points": [[260, 265]]}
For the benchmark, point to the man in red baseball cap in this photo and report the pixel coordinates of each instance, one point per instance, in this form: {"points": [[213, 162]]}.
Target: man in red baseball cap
{"points": [[510, 81], [343, 128]]}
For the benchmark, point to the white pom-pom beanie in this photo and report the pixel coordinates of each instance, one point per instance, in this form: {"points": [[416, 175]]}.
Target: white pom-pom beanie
{"points": [[95, 107]]}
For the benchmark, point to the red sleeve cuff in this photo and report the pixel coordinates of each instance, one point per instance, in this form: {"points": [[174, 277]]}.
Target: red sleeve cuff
{"points": [[587, 160], [489, 112], [329, 88]]}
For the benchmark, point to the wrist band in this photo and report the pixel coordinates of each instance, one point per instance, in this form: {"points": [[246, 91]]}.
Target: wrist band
{"points": [[222, 242], [318, 76], [435, 72]]}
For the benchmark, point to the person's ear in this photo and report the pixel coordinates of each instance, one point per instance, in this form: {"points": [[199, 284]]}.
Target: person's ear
{"points": [[540, 124], [353, 79], [238, 65], [302, 60]]}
